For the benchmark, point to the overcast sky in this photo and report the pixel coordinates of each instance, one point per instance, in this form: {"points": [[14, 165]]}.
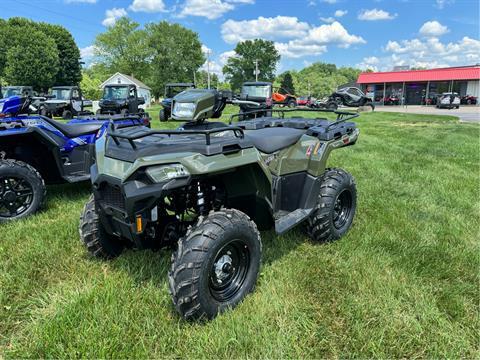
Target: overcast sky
{"points": [[363, 33]]}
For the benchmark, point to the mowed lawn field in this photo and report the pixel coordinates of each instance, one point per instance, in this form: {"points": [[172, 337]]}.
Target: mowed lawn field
{"points": [[404, 282]]}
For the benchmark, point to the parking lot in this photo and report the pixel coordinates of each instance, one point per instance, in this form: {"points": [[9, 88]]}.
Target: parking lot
{"points": [[470, 114]]}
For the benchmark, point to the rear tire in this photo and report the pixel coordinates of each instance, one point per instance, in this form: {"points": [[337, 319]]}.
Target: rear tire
{"points": [[22, 190], [216, 264], [98, 242], [67, 115], [332, 106], [336, 206]]}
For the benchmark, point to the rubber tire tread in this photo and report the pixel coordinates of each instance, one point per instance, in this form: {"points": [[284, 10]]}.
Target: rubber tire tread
{"points": [[191, 258], [98, 243]]}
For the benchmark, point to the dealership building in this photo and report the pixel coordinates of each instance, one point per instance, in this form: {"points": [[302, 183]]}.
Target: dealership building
{"points": [[416, 87]]}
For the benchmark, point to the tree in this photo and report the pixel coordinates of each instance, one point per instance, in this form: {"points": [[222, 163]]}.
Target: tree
{"points": [[32, 61], [12, 35], [241, 67], [286, 85], [124, 48], [176, 55], [91, 86], [201, 80], [69, 69]]}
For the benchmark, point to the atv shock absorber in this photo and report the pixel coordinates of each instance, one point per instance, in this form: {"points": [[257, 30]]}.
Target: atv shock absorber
{"points": [[200, 199]]}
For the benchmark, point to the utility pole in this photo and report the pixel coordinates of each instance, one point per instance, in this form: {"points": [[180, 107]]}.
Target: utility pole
{"points": [[256, 69], [208, 69]]}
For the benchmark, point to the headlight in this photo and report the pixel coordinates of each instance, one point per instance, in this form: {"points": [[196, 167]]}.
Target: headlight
{"points": [[183, 110], [167, 172]]}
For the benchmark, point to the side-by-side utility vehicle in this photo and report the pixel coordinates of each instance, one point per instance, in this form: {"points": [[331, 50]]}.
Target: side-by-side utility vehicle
{"points": [[35, 150], [207, 187], [121, 99], [65, 101]]}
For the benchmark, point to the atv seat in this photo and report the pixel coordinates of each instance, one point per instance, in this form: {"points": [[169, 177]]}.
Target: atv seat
{"points": [[75, 130], [269, 140]]}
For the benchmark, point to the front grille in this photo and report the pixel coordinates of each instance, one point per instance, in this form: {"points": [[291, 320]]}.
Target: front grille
{"points": [[112, 196]]}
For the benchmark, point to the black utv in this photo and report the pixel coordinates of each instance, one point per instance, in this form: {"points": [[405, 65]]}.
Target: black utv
{"points": [[120, 99]]}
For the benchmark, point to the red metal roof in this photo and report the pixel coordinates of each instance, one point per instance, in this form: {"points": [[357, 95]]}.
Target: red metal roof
{"points": [[460, 73]]}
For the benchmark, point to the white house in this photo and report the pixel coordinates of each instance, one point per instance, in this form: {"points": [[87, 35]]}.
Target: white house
{"points": [[142, 89]]}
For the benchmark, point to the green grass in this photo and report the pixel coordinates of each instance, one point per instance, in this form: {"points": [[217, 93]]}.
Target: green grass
{"points": [[403, 282]]}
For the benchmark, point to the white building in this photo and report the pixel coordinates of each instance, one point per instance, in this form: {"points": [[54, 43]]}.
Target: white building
{"points": [[142, 89]]}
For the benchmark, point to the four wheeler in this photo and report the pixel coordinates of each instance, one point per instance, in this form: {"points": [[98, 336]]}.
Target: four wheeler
{"points": [[35, 150], [468, 100], [448, 100], [120, 99], [257, 99], [350, 97], [391, 100], [65, 101], [206, 188], [171, 90]]}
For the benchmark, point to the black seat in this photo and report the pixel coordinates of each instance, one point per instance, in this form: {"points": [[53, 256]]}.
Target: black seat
{"points": [[76, 130], [269, 140]]}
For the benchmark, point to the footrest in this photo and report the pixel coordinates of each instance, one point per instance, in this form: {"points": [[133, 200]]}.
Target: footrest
{"points": [[77, 178], [290, 220]]}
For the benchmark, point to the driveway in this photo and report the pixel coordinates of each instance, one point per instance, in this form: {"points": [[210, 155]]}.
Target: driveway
{"points": [[466, 114]]}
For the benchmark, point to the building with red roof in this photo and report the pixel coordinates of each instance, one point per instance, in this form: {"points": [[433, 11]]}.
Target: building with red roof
{"points": [[420, 86]]}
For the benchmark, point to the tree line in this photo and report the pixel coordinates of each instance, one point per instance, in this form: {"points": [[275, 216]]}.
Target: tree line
{"points": [[43, 55]]}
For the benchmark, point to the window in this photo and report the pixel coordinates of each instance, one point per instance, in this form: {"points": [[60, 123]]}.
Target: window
{"points": [[61, 94], [115, 93], [257, 91]]}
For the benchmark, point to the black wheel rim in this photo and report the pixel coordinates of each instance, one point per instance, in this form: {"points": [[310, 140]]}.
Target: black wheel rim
{"points": [[229, 270], [342, 209], [16, 196]]}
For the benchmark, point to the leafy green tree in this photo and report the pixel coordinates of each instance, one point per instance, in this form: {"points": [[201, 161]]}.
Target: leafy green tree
{"points": [[286, 85], [124, 47], [176, 54], [241, 67], [33, 60], [91, 86], [201, 80], [69, 71]]}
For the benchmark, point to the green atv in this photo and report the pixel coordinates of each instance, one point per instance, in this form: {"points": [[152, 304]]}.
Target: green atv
{"points": [[206, 188]]}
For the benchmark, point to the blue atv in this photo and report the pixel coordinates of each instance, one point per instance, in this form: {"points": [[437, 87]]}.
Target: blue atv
{"points": [[36, 150]]}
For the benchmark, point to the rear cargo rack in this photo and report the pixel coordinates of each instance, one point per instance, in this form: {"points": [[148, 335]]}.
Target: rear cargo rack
{"points": [[342, 116], [237, 131]]}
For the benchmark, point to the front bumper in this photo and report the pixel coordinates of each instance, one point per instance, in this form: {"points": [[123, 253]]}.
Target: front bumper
{"points": [[127, 209]]}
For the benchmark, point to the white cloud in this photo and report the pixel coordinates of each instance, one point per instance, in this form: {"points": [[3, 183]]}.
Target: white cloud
{"points": [[330, 1], [370, 62], [280, 27], [375, 14], [150, 6], [433, 29], [81, 1], [441, 3], [431, 53], [340, 13], [112, 15], [316, 41], [241, 1], [217, 64], [211, 9], [303, 38], [87, 51], [328, 20]]}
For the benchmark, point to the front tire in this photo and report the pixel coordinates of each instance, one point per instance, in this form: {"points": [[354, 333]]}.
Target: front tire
{"points": [[216, 264], [291, 103], [22, 190], [98, 242], [336, 206], [162, 116]]}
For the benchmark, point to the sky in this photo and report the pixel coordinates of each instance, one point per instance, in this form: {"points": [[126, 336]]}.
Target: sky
{"points": [[368, 34]]}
